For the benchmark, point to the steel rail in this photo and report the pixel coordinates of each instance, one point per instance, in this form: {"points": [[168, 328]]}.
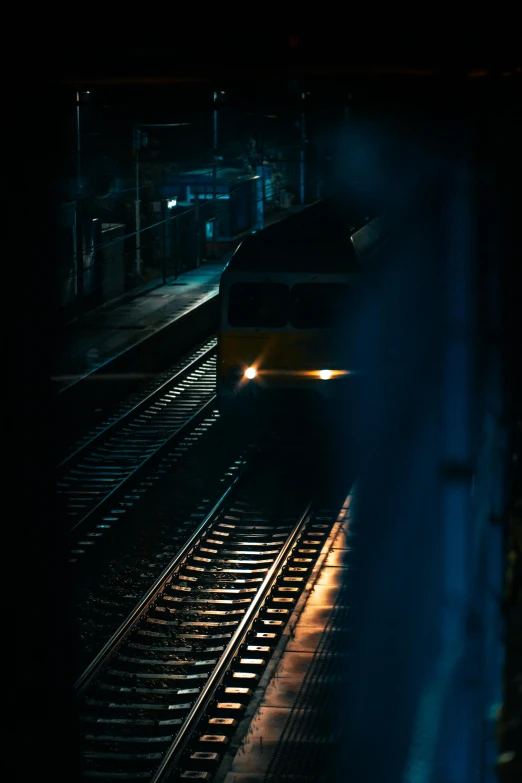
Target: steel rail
{"points": [[119, 635], [173, 754], [135, 408], [201, 412]]}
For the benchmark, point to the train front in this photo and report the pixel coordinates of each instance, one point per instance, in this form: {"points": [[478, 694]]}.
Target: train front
{"points": [[281, 369]]}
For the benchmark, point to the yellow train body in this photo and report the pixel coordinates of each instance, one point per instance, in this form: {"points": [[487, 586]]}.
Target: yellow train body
{"points": [[297, 371], [276, 355], [286, 300]]}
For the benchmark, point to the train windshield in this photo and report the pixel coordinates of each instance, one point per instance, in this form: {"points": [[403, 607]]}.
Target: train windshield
{"points": [[319, 305], [258, 304]]}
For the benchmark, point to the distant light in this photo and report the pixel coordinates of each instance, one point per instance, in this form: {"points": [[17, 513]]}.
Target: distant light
{"points": [[171, 203], [325, 374], [250, 373]]}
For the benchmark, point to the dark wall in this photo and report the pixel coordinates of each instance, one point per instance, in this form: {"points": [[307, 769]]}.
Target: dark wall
{"points": [[437, 332]]}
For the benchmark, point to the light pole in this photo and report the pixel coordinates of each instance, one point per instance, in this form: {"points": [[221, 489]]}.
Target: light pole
{"points": [[138, 141], [78, 140], [260, 168], [215, 144], [78, 167], [302, 181], [215, 159], [79, 227]]}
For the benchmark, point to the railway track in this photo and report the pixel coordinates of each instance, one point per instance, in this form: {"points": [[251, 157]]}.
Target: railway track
{"points": [[166, 692], [93, 478], [150, 386]]}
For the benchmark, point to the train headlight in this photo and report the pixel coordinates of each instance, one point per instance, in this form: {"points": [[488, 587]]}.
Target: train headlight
{"points": [[250, 373], [325, 375]]}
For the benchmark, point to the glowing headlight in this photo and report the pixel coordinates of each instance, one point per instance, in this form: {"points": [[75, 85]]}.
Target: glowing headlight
{"points": [[325, 374], [250, 373]]}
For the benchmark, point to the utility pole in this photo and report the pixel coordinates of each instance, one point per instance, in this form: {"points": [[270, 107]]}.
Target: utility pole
{"points": [[214, 173], [80, 215], [78, 144], [78, 139], [260, 203], [302, 181], [78, 238], [198, 236], [260, 172], [215, 131], [137, 145]]}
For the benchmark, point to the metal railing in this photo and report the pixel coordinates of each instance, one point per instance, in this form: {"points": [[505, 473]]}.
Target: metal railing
{"points": [[104, 262]]}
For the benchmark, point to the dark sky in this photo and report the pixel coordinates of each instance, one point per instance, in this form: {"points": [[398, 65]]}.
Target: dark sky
{"points": [[160, 42]]}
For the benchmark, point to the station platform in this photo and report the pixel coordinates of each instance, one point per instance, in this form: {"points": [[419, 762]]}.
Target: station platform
{"points": [[99, 337], [110, 335], [291, 729], [103, 356]]}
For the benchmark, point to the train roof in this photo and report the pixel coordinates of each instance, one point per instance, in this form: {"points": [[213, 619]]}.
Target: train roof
{"points": [[332, 235]]}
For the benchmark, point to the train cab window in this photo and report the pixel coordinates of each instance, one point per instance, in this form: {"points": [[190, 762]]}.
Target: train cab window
{"points": [[319, 305], [258, 304]]}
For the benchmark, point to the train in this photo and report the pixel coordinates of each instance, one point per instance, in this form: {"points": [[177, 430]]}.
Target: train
{"points": [[286, 300]]}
